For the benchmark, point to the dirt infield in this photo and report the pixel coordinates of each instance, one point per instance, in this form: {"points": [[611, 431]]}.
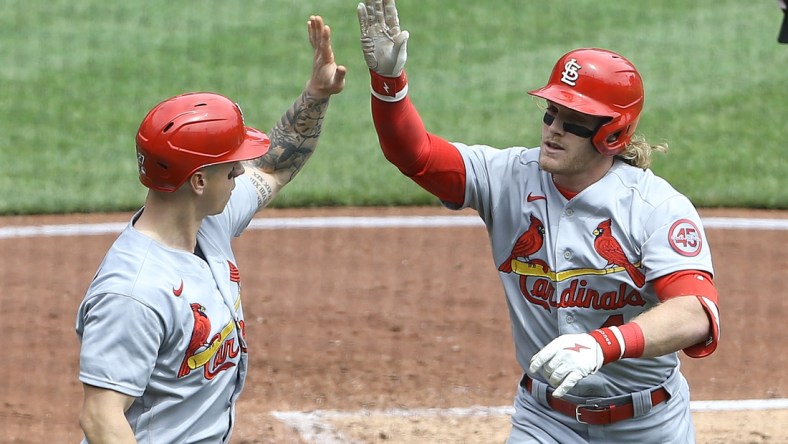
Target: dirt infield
{"points": [[374, 319]]}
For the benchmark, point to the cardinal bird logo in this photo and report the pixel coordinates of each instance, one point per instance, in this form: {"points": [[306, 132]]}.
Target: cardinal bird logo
{"points": [[610, 249], [529, 243], [202, 328]]}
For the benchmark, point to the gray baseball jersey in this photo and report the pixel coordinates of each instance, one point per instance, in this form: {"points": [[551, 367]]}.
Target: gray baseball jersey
{"points": [[167, 327], [572, 266]]}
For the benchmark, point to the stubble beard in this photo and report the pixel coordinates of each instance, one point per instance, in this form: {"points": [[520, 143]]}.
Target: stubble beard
{"points": [[565, 165]]}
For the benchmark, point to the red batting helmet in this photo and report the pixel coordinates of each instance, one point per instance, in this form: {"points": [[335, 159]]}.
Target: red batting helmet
{"points": [[600, 83], [187, 132]]}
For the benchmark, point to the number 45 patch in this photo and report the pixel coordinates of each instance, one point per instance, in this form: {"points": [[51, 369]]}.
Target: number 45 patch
{"points": [[685, 238]]}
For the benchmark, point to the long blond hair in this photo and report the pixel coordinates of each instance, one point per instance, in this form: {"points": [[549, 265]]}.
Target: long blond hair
{"points": [[638, 152]]}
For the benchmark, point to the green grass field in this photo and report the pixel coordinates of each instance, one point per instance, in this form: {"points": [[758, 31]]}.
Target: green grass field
{"points": [[79, 75]]}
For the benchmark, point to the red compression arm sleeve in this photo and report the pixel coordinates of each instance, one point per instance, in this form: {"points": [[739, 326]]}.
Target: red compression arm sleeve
{"points": [[429, 160], [699, 284]]}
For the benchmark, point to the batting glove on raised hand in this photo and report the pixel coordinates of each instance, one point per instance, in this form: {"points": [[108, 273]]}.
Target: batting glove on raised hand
{"points": [[385, 46], [566, 360]]}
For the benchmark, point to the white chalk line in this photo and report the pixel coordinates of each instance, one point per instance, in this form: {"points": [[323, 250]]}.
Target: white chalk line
{"points": [[314, 426], [285, 223]]}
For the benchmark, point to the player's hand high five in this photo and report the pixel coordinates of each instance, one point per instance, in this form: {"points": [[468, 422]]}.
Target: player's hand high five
{"points": [[383, 42], [327, 77]]}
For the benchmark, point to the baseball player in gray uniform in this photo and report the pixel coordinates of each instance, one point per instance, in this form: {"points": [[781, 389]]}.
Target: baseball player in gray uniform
{"points": [[606, 268], [163, 356]]}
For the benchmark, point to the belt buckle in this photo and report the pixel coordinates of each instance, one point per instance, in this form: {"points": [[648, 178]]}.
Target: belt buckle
{"points": [[585, 406]]}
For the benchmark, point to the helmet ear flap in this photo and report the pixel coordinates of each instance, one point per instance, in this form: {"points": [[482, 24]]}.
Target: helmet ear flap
{"points": [[613, 138]]}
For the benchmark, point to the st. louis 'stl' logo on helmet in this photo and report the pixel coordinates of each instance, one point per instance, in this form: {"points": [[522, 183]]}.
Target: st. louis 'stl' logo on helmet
{"points": [[571, 72]]}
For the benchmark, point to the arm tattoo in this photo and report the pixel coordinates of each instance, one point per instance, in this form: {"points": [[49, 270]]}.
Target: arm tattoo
{"points": [[264, 191], [294, 138]]}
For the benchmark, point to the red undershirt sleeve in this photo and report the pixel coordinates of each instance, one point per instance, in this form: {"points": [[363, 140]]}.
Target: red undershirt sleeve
{"points": [[430, 161]]}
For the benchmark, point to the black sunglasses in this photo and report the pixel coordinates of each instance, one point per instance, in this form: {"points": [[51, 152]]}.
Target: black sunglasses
{"points": [[571, 128]]}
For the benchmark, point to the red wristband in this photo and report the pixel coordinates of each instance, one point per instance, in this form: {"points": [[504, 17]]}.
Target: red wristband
{"points": [[626, 341], [611, 347], [634, 340], [389, 89]]}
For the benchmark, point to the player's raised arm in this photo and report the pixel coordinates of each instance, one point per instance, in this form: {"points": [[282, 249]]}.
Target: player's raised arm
{"points": [[429, 160], [294, 138]]}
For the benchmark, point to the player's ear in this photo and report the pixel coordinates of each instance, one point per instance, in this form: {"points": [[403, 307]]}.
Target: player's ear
{"points": [[197, 181]]}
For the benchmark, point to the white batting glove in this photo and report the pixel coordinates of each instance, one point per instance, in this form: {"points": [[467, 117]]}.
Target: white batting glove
{"points": [[566, 360], [385, 46]]}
